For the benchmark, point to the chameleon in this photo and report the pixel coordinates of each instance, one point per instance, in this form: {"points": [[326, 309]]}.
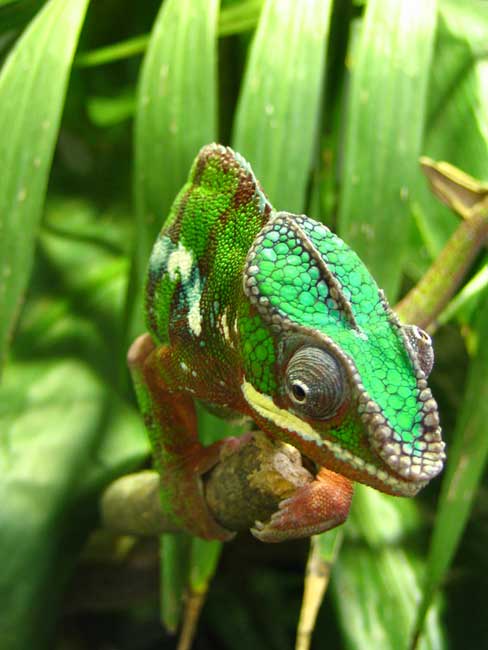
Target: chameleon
{"points": [[269, 315]]}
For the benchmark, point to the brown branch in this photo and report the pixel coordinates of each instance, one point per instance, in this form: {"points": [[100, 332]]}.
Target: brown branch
{"points": [[468, 197], [243, 487]]}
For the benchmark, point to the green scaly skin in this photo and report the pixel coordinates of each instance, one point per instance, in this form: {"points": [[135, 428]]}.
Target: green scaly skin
{"points": [[270, 315]]}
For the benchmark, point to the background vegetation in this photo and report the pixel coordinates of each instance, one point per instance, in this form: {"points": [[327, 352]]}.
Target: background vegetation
{"points": [[103, 106]]}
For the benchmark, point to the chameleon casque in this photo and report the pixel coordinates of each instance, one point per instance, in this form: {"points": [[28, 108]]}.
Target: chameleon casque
{"points": [[270, 315]]}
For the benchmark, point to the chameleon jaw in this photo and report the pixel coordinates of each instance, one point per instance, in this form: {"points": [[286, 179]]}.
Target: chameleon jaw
{"points": [[265, 407]]}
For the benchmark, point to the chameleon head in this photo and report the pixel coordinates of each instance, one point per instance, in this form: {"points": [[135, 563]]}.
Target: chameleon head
{"points": [[340, 377]]}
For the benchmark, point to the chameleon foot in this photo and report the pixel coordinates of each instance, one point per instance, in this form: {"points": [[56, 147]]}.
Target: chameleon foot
{"points": [[314, 508]]}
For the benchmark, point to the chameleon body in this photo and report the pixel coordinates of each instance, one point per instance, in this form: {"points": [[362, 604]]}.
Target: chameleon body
{"points": [[272, 316]]}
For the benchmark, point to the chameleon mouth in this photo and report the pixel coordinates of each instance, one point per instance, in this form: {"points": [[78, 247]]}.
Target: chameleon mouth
{"points": [[395, 483], [264, 406]]}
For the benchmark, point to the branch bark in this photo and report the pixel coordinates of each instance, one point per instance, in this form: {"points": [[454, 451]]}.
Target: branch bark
{"points": [[243, 487]]}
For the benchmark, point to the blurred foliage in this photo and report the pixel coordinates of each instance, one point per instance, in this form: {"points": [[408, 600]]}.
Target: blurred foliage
{"points": [[332, 102]]}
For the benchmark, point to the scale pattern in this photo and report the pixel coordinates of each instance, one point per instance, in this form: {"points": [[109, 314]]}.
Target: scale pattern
{"points": [[326, 287], [195, 268]]}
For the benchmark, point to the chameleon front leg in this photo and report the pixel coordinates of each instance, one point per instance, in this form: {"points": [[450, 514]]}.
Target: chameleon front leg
{"points": [[170, 418], [314, 508]]}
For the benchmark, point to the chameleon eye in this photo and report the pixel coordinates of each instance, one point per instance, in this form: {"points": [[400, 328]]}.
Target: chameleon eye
{"points": [[421, 343], [315, 383]]}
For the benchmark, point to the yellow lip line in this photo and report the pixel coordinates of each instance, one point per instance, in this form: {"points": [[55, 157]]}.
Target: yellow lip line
{"points": [[264, 405]]}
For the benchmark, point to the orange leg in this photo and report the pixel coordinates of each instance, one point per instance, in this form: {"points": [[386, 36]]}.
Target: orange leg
{"points": [[179, 457], [314, 508]]}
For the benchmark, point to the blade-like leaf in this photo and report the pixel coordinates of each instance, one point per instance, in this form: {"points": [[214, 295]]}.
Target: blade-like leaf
{"points": [[111, 53], [232, 20], [390, 71], [458, 103], [175, 554], [377, 580], [466, 461], [15, 13], [63, 433], [176, 112], [64, 436], [467, 297], [377, 591], [278, 111], [33, 84], [239, 17], [73, 312], [107, 111]]}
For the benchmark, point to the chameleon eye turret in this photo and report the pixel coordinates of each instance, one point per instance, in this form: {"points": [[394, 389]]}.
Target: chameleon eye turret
{"points": [[315, 383]]}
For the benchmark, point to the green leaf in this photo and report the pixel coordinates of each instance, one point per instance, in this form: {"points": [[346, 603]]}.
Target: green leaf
{"points": [[78, 313], [178, 75], [240, 17], [15, 13], [278, 112], [377, 578], [466, 299], [107, 111], [64, 436], [33, 84], [111, 53], [205, 555], [458, 103], [232, 20], [466, 460], [377, 591], [176, 114], [175, 554], [386, 113]]}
